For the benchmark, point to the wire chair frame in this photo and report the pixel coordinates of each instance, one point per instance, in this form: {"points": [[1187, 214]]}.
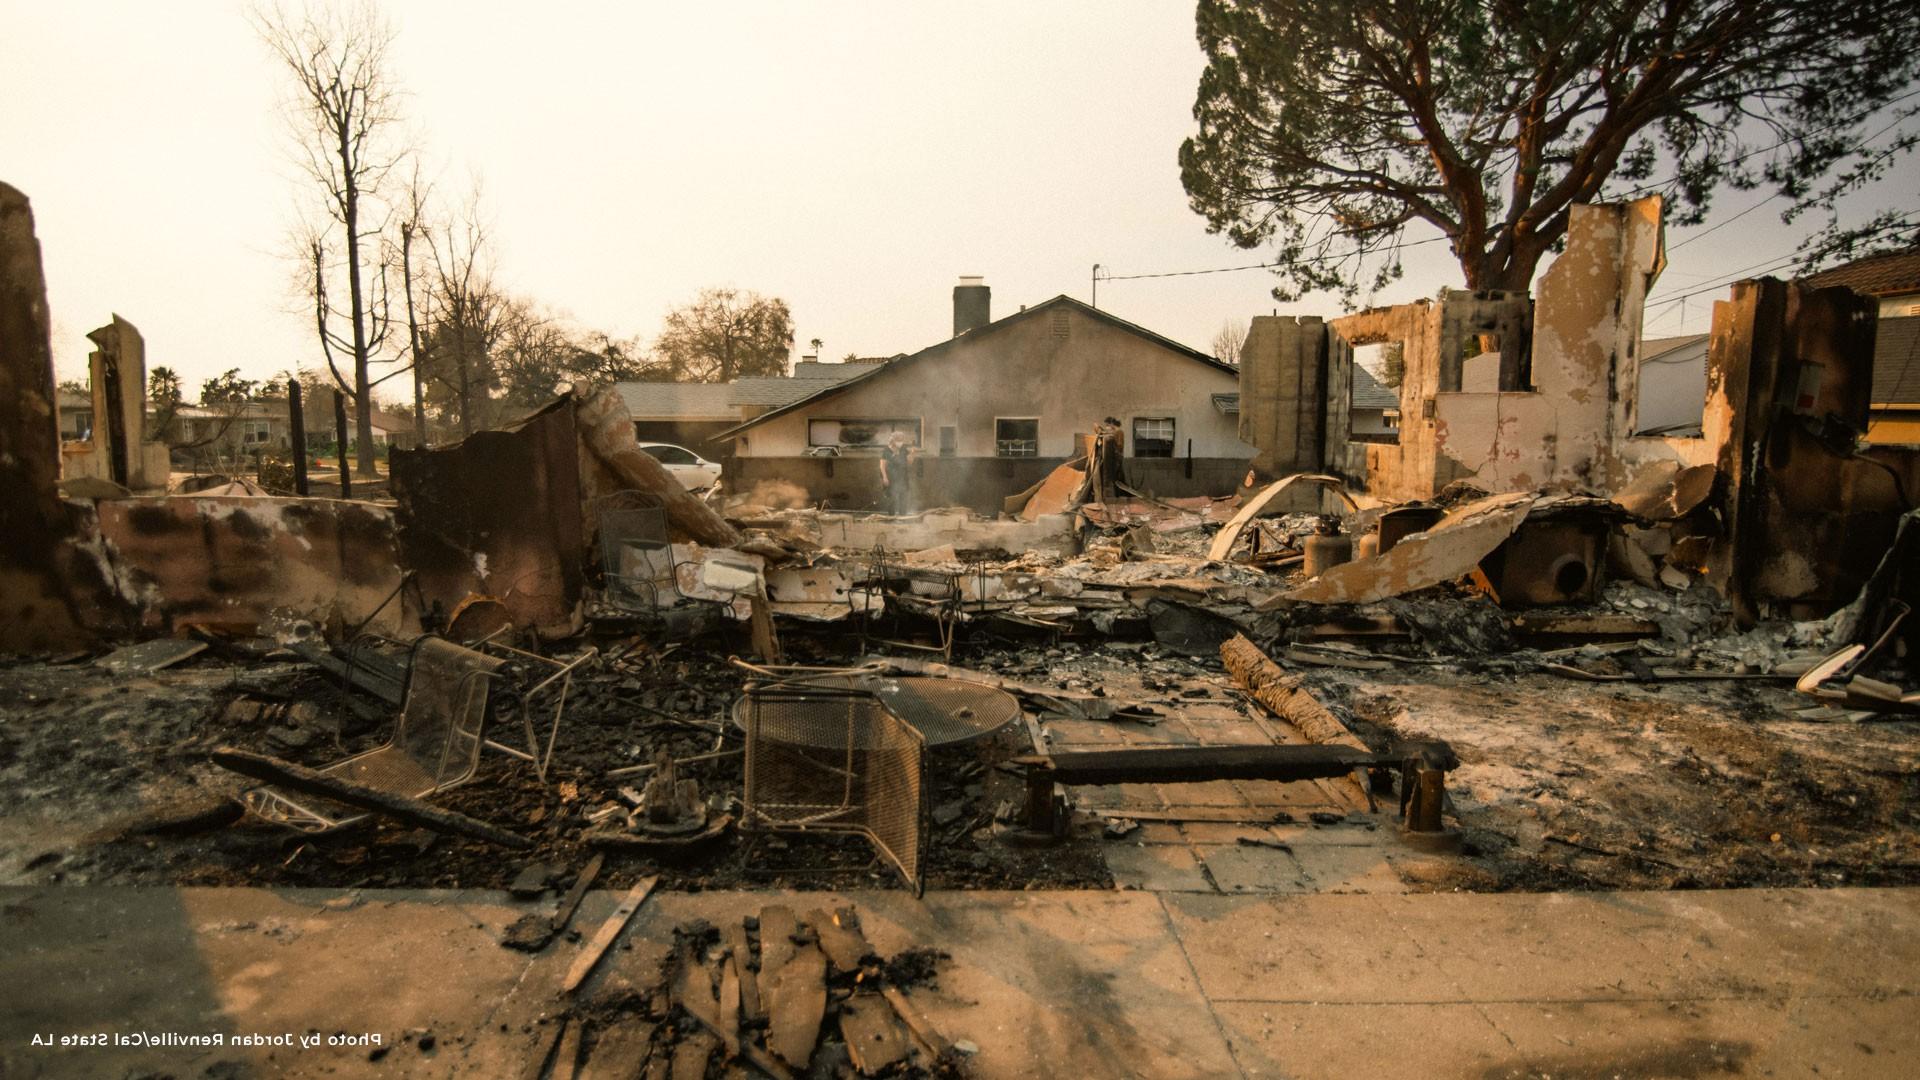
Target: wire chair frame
{"points": [[827, 758]]}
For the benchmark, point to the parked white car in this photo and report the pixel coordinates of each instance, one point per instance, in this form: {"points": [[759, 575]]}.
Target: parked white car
{"points": [[694, 472]]}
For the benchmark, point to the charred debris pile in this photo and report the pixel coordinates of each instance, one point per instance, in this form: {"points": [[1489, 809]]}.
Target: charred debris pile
{"points": [[576, 660]]}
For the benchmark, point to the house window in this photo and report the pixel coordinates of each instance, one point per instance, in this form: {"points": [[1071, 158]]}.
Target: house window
{"points": [[1153, 436], [1016, 436], [859, 434]]}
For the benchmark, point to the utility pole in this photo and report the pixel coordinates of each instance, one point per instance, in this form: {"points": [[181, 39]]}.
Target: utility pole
{"points": [[1096, 286]]}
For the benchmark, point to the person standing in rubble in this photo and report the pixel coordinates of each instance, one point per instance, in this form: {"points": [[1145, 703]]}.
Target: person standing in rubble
{"points": [[895, 459], [1110, 455]]}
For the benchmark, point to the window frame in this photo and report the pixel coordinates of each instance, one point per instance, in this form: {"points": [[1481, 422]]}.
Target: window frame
{"points": [[1000, 444], [1172, 440], [912, 425]]}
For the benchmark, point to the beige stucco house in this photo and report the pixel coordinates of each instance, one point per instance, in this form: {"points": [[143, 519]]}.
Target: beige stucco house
{"points": [[1000, 404]]}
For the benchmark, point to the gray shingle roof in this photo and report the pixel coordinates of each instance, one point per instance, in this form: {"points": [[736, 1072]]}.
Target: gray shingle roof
{"points": [[722, 401], [678, 401], [814, 369], [766, 391], [1369, 394]]}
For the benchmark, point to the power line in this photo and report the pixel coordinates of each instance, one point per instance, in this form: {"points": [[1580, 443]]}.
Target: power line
{"points": [[1333, 257], [1780, 262], [1854, 119], [1861, 145]]}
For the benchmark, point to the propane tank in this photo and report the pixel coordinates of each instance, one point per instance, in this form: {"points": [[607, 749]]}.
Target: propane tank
{"points": [[1327, 551]]}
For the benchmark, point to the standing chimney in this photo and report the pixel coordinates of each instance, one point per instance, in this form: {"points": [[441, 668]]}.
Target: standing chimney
{"points": [[971, 305]]}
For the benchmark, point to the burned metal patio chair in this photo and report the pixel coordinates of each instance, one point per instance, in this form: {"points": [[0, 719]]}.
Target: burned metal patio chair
{"points": [[636, 556], [436, 744], [846, 751]]}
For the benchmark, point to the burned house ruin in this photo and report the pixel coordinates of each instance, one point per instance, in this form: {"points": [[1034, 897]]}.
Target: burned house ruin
{"points": [[1188, 706]]}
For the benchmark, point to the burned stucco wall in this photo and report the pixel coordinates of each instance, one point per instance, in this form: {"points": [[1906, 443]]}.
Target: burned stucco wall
{"points": [[233, 563], [1790, 379], [1283, 372], [499, 515], [1563, 369], [119, 450]]}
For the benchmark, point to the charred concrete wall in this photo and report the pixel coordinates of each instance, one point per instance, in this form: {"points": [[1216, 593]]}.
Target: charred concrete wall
{"points": [[1283, 378], [233, 563], [1789, 381], [1796, 515]]}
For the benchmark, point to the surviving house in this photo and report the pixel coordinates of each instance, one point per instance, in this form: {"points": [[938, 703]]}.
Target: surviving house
{"points": [[1894, 281], [242, 426], [996, 407], [76, 416]]}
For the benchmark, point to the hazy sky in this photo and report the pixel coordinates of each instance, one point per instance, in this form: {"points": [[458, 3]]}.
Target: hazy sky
{"points": [[851, 158]]}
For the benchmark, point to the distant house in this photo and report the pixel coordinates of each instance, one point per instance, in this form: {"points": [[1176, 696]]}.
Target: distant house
{"points": [[996, 407], [253, 425], [1893, 280], [389, 428], [76, 416], [1673, 386], [1374, 407], [691, 414]]}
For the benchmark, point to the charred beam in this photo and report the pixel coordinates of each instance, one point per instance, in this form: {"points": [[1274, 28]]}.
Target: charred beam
{"points": [[399, 807]]}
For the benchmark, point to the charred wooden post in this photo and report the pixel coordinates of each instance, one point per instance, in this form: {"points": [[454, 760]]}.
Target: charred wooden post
{"points": [[413, 811], [1423, 788], [298, 421], [1423, 797], [340, 443]]}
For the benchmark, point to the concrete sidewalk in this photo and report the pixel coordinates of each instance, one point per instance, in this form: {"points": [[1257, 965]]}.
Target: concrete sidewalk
{"points": [[1690, 984]]}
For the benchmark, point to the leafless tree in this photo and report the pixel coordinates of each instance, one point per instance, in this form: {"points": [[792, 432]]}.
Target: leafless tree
{"points": [[1228, 342], [467, 316], [413, 226], [343, 111]]}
